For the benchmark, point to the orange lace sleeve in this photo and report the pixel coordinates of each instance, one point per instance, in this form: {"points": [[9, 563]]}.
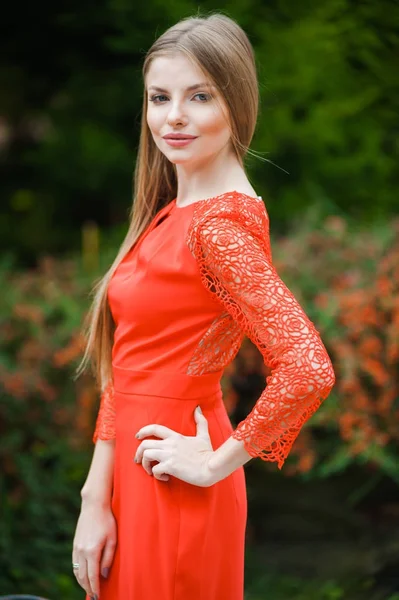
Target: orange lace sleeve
{"points": [[232, 247], [105, 424]]}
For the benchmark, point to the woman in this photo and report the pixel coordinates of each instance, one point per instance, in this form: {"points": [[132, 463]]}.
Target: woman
{"points": [[164, 504]]}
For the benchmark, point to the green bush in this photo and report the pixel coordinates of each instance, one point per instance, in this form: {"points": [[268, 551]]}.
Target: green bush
{"points": [[328, 114], [47, 419]]}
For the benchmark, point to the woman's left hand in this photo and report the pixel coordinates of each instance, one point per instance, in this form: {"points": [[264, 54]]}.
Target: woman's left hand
{"points": [[184, 457]]}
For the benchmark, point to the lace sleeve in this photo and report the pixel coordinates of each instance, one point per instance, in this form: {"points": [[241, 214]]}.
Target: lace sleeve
{"points": [[105, 424], [233, 251]]}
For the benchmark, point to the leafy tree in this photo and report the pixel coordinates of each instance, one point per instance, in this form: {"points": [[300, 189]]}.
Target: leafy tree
{"points": [[71, 100]]}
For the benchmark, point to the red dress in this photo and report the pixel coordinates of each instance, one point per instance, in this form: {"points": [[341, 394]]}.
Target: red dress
{"points": [[198, 280]]}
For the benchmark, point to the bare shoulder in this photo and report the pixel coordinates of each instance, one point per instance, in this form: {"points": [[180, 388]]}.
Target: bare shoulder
{"points": [[247, 190]]}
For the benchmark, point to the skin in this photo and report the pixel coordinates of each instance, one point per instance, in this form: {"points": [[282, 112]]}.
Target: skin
{"points": [[94, 547], [207, 167], [189, 458]]}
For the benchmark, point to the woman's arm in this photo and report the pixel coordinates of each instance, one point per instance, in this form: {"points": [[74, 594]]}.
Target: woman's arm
{"points": [[227, 458], [98, 485], [236, 266], [96, 534], [105, 424]]}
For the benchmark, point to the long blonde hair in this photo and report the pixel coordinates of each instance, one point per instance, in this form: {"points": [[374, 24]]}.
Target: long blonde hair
{"points": [[221, 49]]}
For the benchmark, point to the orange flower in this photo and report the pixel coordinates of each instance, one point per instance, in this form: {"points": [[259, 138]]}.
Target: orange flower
{"points": [[384, 285], [370, 345], [306, 462], [14, 384], [28, 312], [376, 370]]}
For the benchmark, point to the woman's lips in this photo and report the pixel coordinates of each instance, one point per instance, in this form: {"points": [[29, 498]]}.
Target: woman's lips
{"points": [[177, 143]]}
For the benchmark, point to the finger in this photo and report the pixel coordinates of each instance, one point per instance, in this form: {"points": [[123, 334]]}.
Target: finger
{"points": [[147, 466], [202, 423], [150, 456], [147, 445], [161, 472], [75, 559], [162, 477], [93, 574], [108, 556], [81, 574], [159, 431]]}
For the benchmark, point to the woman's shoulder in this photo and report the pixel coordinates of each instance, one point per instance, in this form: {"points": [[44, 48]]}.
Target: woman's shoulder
{"points": [[229, 213], [232, 202], [236, 205]]}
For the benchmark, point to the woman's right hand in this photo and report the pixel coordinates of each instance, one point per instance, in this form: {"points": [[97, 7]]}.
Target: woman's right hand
{"points": [[94, 545]]}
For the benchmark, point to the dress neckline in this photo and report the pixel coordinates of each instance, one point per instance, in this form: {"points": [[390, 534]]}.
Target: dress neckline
{"points": [[174, 205]]}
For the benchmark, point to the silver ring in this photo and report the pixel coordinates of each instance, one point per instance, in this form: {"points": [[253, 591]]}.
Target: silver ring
{"points": [[75, 565]]}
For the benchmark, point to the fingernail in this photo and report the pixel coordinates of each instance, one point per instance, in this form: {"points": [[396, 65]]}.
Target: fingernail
{"points": [[199, 409], [105, 572]]}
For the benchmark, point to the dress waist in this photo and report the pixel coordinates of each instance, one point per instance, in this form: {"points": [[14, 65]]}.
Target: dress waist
{"points": [[168, 384]]}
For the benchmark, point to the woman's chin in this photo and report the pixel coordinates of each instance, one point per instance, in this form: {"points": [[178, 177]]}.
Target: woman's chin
{"points": [[182, 159]]}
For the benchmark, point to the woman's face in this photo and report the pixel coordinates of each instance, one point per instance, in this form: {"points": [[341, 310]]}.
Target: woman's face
{"points": [[174, 108]]}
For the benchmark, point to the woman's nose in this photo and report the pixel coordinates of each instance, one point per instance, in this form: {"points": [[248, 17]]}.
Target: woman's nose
{"points": [[176, 113]]}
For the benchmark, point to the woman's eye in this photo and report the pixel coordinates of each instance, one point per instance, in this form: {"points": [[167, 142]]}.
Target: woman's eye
{"points": [[156, 97], [207, 96], [153, 98]]}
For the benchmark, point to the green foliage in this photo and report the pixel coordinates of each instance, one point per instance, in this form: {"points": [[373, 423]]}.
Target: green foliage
{"points": [[294, 589], [329, 69], [263, 583], [45, 426], [329, 105], [347, 278], [47, 419]]}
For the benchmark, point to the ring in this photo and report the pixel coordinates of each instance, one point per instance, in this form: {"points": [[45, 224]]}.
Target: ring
{"points": [[75, 565]]}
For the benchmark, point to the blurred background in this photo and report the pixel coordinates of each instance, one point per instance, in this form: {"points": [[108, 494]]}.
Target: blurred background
{"points": [[326, 527]]}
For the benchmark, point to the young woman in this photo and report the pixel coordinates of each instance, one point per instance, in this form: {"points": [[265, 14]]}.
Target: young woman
{"points": [[164, 504]]}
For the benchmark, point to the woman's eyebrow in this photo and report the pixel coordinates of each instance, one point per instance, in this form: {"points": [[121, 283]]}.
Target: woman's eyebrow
{"points": [[189, 89]]}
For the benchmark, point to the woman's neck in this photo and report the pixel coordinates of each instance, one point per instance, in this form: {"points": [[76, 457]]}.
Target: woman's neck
{"points": [[210, 180]]}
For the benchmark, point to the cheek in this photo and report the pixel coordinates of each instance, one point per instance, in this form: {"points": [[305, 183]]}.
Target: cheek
{"points": [[154, 121], [213, 123]]}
